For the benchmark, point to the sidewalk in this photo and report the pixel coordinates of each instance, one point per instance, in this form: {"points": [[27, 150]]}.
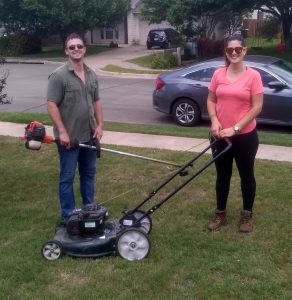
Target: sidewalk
{"points": [[268, 152]]}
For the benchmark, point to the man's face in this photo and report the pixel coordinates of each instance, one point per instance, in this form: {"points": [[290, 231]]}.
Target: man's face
{"points": [[75, 49]]}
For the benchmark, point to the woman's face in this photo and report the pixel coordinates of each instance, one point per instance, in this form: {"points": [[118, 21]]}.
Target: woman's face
{"points": [[235, 51]]}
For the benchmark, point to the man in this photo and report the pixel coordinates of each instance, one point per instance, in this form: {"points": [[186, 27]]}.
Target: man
{"points": [[75, 109]]}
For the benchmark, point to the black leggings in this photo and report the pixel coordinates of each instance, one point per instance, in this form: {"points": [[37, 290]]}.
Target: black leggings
{"points": [[243, 150]]}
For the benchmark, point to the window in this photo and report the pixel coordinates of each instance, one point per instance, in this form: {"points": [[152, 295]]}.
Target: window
{"points": [[202, 75], [109, 34], [266, 77]]}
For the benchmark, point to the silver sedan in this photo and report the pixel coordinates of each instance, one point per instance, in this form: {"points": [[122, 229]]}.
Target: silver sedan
{"points": [[183, 93]]}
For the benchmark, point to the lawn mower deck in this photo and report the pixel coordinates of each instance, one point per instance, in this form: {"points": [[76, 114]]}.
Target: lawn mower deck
{"points": [[81, 246], [102, 239]]}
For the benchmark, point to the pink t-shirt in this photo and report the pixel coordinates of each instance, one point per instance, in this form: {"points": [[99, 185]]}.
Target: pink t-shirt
{"points": [[234, 99]]}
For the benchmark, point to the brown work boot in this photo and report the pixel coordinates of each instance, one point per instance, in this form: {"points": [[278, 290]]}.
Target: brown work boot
{"points": [[245, 223], [218, 220]]}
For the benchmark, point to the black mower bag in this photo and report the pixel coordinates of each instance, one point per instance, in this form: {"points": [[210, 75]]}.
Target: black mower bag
{"points": [[89, 220]]}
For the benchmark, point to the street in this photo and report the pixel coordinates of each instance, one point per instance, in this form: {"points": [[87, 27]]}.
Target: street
{"points": [[124, 100]]}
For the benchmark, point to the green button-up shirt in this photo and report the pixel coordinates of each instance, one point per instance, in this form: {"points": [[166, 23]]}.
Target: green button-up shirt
{"points": [[75, 101]]}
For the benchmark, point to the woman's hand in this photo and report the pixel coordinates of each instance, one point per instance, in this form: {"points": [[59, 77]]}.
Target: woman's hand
{"points": [[215, 127], [226, 132]]}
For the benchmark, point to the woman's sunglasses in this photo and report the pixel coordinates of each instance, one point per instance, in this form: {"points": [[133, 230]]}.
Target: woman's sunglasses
{"points": [[237, 50], [73, 47]]}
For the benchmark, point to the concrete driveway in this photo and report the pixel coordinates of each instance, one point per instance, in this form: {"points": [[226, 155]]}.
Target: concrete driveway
{"points": [[119, 56]]}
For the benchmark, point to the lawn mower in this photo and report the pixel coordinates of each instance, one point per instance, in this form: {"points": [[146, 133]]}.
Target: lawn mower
{"points": [[90, 233]]}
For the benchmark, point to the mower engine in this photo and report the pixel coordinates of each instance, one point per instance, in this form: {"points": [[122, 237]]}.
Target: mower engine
{"points": [[89, 220], [35, 135]]}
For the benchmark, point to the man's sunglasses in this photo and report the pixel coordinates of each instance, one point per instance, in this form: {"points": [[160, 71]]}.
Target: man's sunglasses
{"points": [[73, 47], [237, 50]]}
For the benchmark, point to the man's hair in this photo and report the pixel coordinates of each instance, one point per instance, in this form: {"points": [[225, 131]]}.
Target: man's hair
{"points": [[73, 36]]}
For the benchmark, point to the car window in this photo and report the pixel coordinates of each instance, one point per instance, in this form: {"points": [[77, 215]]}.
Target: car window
{"points": [[157, 33], [202, 75], [266, 77], [283, 69]]}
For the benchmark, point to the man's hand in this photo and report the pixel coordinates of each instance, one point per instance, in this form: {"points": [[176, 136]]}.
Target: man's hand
{"points": [[64, 139], [98, 133]]}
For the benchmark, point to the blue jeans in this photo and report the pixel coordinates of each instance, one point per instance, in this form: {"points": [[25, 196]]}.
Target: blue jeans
{"points": [[86, 161]]}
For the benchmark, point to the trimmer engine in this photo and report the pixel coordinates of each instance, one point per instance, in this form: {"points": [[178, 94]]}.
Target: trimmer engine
{"points": [[35, 135]]}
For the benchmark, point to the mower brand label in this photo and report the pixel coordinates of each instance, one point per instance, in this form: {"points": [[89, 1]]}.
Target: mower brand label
{"points": [[127, 222], [89, 225]]}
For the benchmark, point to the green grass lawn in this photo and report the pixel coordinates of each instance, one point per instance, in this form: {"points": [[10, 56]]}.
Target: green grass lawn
{"points": [[118, 69], [186, 260]]}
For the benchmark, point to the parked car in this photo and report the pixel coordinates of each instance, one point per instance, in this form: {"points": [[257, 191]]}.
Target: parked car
{"points": [[183, 93], [163, 38]]}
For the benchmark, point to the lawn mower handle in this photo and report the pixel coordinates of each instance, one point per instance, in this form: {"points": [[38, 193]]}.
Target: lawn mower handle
{"points": [[182, 185]]}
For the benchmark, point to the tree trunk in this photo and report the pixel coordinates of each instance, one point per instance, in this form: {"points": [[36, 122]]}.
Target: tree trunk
{"points": [[286, 26]]}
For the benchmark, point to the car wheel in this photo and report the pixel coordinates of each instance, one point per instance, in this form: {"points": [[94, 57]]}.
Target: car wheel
{"points": [[186, 112], [148, 46]]}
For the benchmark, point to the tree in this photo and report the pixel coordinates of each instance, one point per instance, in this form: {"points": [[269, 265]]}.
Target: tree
{"points": [[270, 27], [191, 17], [3, 77], [282, 10], [42, 18], [185, 12]]}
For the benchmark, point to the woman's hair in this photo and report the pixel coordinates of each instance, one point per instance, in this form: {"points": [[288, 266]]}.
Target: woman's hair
{"points": [[236, 37], [74, 36]]}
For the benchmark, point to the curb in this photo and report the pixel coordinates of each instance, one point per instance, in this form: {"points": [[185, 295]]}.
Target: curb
{"points": [[125, 75], [30, 61]]}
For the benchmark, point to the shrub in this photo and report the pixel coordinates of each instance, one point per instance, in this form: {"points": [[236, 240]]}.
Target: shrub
{"points": [[159, 61], [18, 44], [280, 47], [3, 76], [113, 45], [210, 48]]}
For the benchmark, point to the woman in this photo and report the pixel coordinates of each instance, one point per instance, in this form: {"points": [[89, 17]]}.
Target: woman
{"points": [[235, 99]]}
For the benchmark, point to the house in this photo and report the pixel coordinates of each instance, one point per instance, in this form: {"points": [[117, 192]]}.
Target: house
{"points": [[133, 30]]}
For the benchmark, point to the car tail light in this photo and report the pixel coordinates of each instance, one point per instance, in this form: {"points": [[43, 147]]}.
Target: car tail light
{"points": [[159, 83]]}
